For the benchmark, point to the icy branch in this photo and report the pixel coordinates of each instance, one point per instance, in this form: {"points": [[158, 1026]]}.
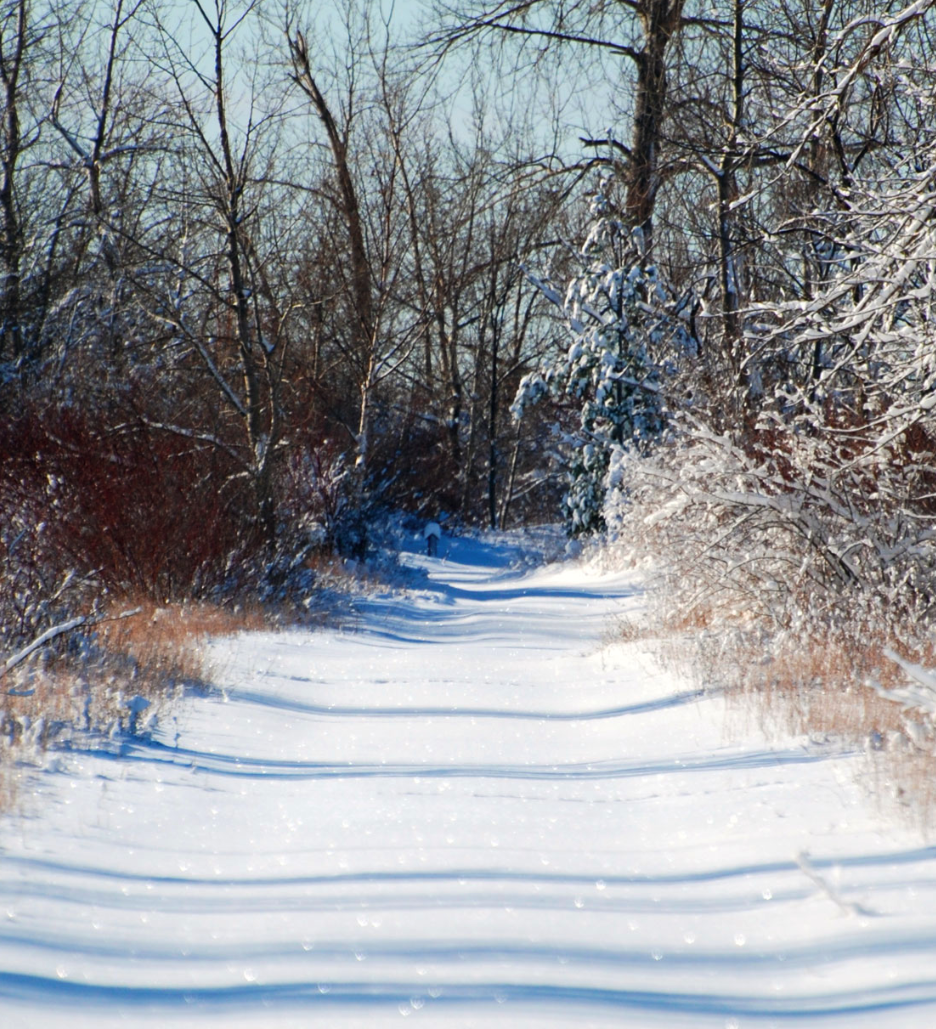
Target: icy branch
{"points": [[59, 630]]}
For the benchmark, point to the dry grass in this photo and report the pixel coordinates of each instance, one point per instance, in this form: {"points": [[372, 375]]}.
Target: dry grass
{"points": [[163, 644], [87, 682], [813, 684], [822, 687], [343, 574]]}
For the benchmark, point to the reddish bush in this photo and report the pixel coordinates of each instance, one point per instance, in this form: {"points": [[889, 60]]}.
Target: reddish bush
{"points": [[140, 511]]}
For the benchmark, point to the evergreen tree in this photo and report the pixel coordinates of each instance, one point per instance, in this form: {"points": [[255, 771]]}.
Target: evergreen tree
{"points": [[611, 371]]}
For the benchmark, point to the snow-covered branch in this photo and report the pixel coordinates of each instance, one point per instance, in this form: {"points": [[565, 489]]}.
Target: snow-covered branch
{"points": [[59, 630]]}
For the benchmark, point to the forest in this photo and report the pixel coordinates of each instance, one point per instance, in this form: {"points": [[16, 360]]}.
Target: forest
{"points": [[662, 269]]}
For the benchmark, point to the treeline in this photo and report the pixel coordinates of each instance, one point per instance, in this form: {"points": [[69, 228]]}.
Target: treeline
{"points": [[750, 326], [262, 274], [256, 282]]}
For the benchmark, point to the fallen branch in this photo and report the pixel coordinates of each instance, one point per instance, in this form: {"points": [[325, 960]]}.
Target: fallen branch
{"points": [[59, 630], [847, 907], [920, 696]]}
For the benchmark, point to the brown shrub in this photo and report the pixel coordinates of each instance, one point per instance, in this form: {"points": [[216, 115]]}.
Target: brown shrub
{"points": [[143, 511], [151, 654]]}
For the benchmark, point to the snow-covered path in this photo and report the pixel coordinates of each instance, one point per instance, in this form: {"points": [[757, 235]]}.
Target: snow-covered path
{"points": [[457, 811]]}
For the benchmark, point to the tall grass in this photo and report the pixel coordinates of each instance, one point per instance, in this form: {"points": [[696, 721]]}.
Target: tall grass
{"points": [[115, 675], [101, 515]]}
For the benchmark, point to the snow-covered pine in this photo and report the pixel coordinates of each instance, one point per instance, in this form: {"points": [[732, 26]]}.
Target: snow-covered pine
{"points": [[615, 311]]}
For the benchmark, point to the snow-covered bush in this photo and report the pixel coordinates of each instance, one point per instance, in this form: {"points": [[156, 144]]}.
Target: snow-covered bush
{"points": [[769, 530], [820, 508]]}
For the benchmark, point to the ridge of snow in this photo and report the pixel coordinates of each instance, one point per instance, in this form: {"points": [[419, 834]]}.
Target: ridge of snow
{"points": [[461, 808]]}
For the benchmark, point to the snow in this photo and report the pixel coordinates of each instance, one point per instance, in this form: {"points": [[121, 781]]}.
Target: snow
{"points": [[461, 809]]}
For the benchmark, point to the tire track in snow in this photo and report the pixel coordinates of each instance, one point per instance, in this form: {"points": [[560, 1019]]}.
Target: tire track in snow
{"points": [[459, 813]]}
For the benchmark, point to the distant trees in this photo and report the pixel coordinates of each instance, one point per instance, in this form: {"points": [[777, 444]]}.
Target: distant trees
{"points": [[801, 481], [623, 339], [249, 280], [218, 305], [775, 169], [297, 274], [637, 33], [428, 230]]}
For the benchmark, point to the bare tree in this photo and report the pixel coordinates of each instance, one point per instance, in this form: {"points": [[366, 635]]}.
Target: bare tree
{"points": [[12, 56], [638, 32], [213, 295], [380, 345]]}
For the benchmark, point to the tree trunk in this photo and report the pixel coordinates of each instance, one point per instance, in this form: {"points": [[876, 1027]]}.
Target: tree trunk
{"points": [[11, 330], [362, 300], [660, 20]]}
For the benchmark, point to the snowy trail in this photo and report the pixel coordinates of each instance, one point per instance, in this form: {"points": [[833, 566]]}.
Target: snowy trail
{"points": [[460, 810]]}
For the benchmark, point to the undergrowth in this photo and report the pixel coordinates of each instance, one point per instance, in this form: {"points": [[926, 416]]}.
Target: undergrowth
{"points": [[796, 574], [124, 545], [821, 680], [114, 674]]}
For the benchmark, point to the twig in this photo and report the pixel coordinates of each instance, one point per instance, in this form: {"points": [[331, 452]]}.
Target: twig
{"points": [[58, 630], [847, 907]]}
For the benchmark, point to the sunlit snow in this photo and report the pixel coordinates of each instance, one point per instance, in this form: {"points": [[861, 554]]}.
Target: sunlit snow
{"points": [[462, 809]]}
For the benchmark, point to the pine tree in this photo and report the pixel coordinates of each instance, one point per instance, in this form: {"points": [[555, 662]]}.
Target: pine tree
{"points": [[611, 371]]}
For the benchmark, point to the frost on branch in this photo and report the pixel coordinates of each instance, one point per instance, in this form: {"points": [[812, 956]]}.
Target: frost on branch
{"points": [[822, 503]]}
